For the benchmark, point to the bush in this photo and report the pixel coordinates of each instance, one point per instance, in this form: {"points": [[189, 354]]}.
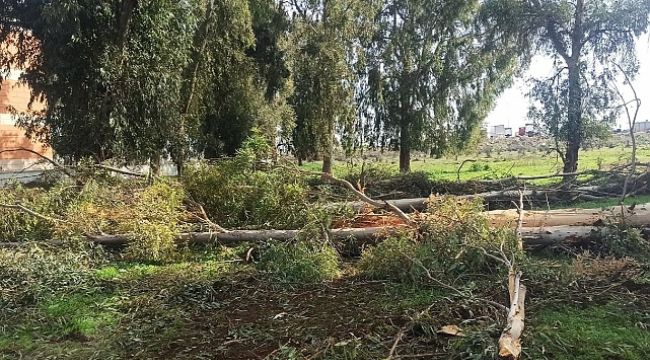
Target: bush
{"points": [[149, 213], [620, 240], [453, 238], [301, 262], [399, 257], [461, 235], [235, 193], [16, 225]]}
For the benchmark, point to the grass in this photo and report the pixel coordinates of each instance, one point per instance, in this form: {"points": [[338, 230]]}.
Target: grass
{"points": [[498, 166], [611, 331], [207, 307]]}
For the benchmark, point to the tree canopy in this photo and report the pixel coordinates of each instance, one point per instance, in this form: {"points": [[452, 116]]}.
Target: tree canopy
{"points": [[586, 38], [141, 80], [431, 79]]}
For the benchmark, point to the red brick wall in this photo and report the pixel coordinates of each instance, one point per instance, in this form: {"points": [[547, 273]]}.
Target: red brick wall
{"points": [[16, 95]]}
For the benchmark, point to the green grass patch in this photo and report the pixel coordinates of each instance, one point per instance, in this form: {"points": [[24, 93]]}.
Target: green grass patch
{"points": [[593, 333], [77, 315], [498, 166]]}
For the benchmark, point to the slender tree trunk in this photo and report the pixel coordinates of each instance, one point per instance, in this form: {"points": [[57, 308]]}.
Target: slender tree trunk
{"points": [[404, 150], [574, 126], [574, 123], [154, 165], [327, 164], [200, 44]]}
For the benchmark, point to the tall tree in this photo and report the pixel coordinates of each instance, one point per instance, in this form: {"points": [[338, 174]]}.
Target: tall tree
{"points": [[322, 53], [432, 79], [244, 77], [584, 37], [110, 71]]}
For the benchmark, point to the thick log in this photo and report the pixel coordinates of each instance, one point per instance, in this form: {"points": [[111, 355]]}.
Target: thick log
{"points": [[638, 216], [420, 204], [532, 237]]}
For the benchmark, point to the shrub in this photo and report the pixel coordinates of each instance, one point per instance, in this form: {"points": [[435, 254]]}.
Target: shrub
{"points": [[620, 240], [154, 220], [16, 225], [453, 238], [395, 258], [301, 262], [149, 213], [234, 194], [461, 235]]}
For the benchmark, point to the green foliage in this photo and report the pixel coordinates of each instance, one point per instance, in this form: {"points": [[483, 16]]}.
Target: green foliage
{"points": [[453, 238], [18, 225], [31, 274], [322, 50], [620, 240], [397, 258], [591, 43], [461, 235], [434, 89], [153, 222], [149, 213], [235, 193], [301, 262], [477, 344]]}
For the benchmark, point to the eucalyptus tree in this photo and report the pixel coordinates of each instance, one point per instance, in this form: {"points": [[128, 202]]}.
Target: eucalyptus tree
{"points": [[244, 77], [432, 78], [584, 38], [323, 48], [111, 72]]}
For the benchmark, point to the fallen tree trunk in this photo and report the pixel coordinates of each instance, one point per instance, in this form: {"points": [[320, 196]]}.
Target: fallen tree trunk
{"points": [[237, 237], [532, 237], [638, 215], [420, 204]]}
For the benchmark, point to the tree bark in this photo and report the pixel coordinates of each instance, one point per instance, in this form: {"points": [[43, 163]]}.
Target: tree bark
{"points": [[574, 126], [510, 340], [327, 164], [404, 149]]}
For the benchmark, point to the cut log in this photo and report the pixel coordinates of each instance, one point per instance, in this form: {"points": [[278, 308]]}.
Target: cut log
{"points": [[420, 204], [638, 216], [533, 238]]}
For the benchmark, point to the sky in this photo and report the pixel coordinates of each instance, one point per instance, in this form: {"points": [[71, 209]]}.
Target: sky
{"points": [[511, 109]]}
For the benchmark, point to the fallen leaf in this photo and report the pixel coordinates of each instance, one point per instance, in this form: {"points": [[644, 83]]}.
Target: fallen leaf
{"points": [[452, 330]]}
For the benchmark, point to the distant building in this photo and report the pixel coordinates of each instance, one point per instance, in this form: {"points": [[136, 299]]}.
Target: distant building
{"points": [[497, 131], [16, 95], [643, 126]]}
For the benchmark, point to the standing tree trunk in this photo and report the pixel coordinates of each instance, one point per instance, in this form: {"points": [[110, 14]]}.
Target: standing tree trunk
{"points": [[404, 149], [574, 126], [327, 164], [191, 75]]}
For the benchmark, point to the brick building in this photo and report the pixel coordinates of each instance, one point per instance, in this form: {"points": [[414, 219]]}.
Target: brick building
{"points": [[15, 95]]}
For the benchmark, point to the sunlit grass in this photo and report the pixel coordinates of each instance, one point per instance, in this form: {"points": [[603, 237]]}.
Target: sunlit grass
{"points": [[497, 166]]}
